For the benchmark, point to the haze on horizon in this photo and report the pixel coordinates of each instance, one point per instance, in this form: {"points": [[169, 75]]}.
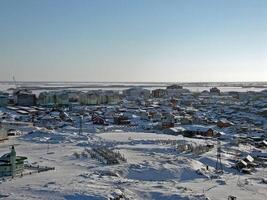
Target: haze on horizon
{"points": [[141, 40]]}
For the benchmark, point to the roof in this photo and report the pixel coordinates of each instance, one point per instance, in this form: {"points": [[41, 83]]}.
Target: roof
{"points": [[225, 121], [177, 129], [6, 158], [174, 86], [249, 158], [197, 128], [242, 162]]}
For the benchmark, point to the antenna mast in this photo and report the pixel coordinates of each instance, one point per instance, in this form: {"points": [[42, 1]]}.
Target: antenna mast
{"points": [[15, 82]]}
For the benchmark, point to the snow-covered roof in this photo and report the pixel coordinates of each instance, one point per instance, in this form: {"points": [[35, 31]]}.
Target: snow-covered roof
{"points": [[249, 158], [177, 129], [199, 128]]}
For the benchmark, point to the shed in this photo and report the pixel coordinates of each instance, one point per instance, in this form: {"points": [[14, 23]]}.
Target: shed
{"points": [[241, 164]]}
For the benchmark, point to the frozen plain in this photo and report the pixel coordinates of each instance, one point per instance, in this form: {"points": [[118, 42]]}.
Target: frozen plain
{"points": [[154, 169]]}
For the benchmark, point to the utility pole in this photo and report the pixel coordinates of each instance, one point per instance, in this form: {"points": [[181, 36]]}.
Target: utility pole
{"points": [[81, 125], [219, 167], [48, 147]]}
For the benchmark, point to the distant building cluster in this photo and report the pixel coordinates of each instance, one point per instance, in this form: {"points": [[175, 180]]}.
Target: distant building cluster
{"points": [[174, 110]]}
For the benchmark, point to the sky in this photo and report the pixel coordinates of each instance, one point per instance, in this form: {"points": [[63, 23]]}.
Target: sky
{"points": [[133, 40]]}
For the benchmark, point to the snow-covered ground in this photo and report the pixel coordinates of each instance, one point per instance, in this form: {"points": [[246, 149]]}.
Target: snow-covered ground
{"points": [[154, 169]]}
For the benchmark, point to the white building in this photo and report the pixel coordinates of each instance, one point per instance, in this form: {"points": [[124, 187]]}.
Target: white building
{"points": [[53, 98], [90, 98], [176, 92], [136, 92], [99, 97]]}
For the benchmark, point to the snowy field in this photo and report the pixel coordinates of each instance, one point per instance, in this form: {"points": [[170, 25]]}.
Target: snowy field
{"points": [[154, 169]]}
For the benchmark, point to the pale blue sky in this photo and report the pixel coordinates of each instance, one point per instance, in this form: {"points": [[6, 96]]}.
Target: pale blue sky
{"points": [[137, 40]]}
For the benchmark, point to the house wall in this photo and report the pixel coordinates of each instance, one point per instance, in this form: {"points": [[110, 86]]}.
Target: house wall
{"points": [[5, 169], [62, 99], [89, 99], [158, 93], [135, 93], [52, 98], [113, 99], [97, 99], [3, 101], [25, 100]]}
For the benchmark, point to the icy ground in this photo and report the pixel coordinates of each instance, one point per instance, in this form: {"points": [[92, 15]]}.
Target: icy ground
{"points": [[154, 169]]}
